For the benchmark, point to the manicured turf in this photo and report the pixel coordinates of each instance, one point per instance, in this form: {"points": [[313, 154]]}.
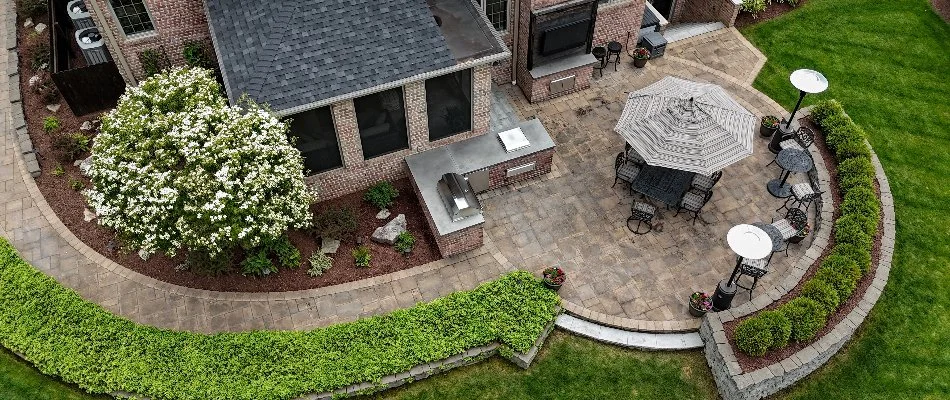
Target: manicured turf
{"points": [[570, 367], [20, 381], [888, 62]]}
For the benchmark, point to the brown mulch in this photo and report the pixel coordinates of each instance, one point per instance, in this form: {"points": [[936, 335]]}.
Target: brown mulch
{"points": [[749, 363], [68, 204], [942, 7], [771, 11]]}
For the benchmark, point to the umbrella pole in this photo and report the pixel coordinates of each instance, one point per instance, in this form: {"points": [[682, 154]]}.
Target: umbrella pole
{"points": [[801, 96]]}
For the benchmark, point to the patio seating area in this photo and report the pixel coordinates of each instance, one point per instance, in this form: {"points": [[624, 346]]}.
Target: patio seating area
{"points": [[637, 239]]}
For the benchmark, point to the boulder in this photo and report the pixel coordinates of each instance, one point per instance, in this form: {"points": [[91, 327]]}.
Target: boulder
{"points": [[35, 79], [329, 246], [84, 166], [28, 23], [40, 27], [86, 126], [53, 107], [383, 214], [387, 234], [88, 215]]}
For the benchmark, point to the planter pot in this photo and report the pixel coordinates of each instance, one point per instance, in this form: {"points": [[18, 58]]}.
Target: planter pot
{"points": [[639, 63], [767, 132], [695, 311], [553, 286], [796, 239]]}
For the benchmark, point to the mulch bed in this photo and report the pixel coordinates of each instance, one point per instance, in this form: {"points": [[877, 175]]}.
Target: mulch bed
{"points": [[749, 363], [68, 204], [942, 7], [771, 11]]}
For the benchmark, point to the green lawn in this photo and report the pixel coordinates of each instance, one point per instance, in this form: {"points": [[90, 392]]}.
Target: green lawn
{"points": [[570, 367], [20, 381], [889, 63]]}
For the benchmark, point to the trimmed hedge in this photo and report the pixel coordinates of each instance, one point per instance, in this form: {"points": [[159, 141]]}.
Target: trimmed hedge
{"points": [[854, 232], [780, 327], [754, 336], [66, 336]]}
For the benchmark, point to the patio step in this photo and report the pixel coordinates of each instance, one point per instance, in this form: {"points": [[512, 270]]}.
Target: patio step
{"points": [[678, 32], [638, 340]]}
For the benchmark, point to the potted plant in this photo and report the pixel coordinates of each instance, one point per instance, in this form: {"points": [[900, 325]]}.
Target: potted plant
{"points": [[804, 231], [769, 125], [640, 57], [553, 277], [699, 304]]}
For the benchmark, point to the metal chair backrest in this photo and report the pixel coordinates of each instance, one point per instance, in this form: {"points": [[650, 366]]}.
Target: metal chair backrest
{"points": [[706, 183], [621, 159], [805, 137], [797, 218]]}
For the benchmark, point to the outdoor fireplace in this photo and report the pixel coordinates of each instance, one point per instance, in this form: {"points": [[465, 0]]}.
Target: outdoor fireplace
{"points": [[561, 31]]}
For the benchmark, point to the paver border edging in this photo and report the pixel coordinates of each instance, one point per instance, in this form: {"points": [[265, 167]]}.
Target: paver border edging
{"points": [[733, 384]]}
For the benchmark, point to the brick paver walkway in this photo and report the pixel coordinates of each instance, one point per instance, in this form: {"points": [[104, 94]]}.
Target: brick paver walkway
{"points": [[613, 274]]}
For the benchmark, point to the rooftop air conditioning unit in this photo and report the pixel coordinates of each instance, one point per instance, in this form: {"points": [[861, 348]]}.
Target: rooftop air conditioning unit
{"points": [[90, 41], [79, 14]]}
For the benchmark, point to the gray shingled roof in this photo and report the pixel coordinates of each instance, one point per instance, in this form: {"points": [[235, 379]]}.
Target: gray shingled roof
{"points": [[291, 53]]}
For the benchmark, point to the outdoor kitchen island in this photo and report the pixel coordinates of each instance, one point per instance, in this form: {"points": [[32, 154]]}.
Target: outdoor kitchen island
{"points": [[447, 178]]}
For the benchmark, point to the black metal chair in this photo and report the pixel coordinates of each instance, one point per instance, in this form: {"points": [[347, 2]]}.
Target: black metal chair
{"points": [[600, 53], [625, 171], [802, 194], [643, 213], [794, 221], [693, 203], [801, 140], [754, 269], [702, 183], [633, 156]]}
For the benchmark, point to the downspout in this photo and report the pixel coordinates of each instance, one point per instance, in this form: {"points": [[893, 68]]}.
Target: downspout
{"points": [[515, 38], [117, 55]]}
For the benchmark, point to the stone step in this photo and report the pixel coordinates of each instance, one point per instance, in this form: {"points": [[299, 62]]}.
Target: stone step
{"points": [[638, 340], [679, 32]]}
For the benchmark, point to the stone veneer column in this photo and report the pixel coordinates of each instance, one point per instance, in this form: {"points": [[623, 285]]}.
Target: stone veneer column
{"points": [[348, 133], [416, 115]]}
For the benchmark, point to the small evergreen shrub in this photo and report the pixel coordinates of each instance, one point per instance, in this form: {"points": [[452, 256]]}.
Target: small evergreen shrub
{"points": [[779, 326], [335, 223], [51, 124], [852, 147], [842, 274], [861, 257], [196, 54], [855, 172], [824, 109], [203, 262], [752, 6], [287, 254], [153, 62], [31, 8], [821, 292], [362, 256], [381, 195], [861, 201], [319, 263], [258, 263], [753, 336], [73, 145], [851, 230], [404, 243], [807, 317], [40, 58]]}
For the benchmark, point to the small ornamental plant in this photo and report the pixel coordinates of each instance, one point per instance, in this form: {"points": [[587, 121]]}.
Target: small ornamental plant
{"points": [[404, 243], [51, 124], [701, 301], [641, 53], [319, 263], [554, 277], [381, 195], [362, 256], [770, 122]]}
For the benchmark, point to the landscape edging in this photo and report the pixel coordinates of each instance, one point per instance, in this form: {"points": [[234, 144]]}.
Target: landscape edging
{"points": [[733, 384]]}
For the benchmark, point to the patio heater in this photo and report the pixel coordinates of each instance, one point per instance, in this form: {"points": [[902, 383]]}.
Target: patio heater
{"points": [[747, 241], [806, 81]]}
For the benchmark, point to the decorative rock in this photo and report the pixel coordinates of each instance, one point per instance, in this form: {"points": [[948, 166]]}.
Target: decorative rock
{"points": [[53, 107], [88, 215], [86, 126], [387, 234], [28, 23], [34, 80], [329, 246], [383, 214], [40, 27], [143, 255], [85, 165]]}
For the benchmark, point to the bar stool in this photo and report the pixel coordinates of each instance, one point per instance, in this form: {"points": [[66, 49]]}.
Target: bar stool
{"points": [[600, 53], [613, 49]]}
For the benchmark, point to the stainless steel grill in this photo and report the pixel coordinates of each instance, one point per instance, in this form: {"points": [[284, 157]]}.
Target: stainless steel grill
{"points": [[458, 196]]}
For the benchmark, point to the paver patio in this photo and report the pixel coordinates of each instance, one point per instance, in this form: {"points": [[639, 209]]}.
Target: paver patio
{"points": [[571, 218]]}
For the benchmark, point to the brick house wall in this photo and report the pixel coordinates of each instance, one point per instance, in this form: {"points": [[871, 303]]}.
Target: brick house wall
{"points": [[501, 73], [724, 11], [358, 173], [175, 23]]}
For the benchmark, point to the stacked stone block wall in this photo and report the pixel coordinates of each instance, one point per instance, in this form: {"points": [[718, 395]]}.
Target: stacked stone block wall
{"points": [[454, 243], [358, 173], [175, 23]]}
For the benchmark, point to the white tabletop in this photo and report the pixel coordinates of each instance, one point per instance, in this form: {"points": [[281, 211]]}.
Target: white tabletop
{"points": [[749, 241], [809, 81]]}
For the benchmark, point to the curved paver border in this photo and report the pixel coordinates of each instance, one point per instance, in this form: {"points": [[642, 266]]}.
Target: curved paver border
{"points": [[733, 383]]}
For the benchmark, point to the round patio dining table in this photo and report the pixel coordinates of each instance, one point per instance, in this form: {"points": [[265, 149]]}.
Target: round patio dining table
{"points": [[791, 160]]}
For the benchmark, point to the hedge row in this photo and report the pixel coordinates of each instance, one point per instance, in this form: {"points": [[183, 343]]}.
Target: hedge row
{"points": [[854, 232], [66, 336]]}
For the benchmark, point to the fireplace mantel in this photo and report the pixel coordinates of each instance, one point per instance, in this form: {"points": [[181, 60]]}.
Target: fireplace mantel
{"points": [[563, 64]]}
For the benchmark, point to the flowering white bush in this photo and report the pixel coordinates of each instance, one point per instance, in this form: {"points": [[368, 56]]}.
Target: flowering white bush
{"points": [[174, 166]]}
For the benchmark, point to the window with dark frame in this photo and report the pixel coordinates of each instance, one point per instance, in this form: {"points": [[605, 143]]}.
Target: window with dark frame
{"points": [[497, 13], [381, 118], [316, 139], [449, 104], [132, 15]]}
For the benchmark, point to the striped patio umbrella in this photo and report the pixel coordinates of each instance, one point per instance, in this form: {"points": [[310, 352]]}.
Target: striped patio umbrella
{"points": [[689, 126]]}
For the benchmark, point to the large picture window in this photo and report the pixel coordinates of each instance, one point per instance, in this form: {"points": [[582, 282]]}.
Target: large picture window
{"points": [[381, 118], [497, 12], [316, 139], [132, 15], [449, 104]]}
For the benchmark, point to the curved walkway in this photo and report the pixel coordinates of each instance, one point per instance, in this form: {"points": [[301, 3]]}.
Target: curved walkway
{"points": [[32, 227]]}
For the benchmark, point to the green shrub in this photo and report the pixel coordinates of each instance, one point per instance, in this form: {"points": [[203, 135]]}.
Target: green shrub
{"points": [[850, 229], [855, 172], [31, 8], [196, 54], [841, 274], [821, 292], [404, 243], [319, 263], [258, 262], [861, 257], [73, 145], [362, 256], [40, 57], [80, 342], [779, 326], [58, 170], [203, 262], [381, 195], [836, 123], [287, 254], [852, 147], [861, 201], [752, 6], [76, 184], [824, 109], [807, 317], [335, 223], [51, 124], [753, 336], [153, 62]]}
